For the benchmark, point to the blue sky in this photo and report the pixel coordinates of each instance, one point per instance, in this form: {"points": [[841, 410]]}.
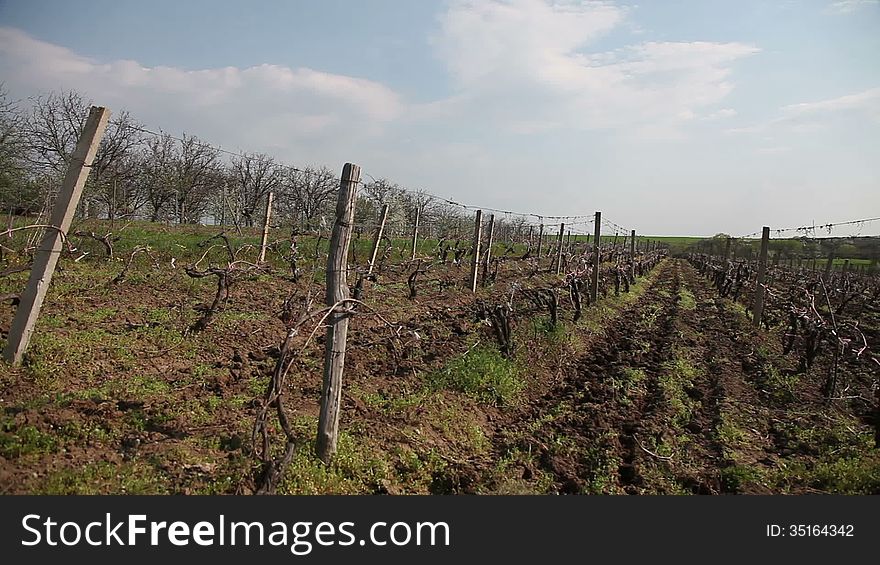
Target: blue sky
{"points": [[672, 117]]}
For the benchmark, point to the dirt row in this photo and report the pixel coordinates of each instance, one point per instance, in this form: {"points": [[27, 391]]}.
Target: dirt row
{"points": [[645, 408]]}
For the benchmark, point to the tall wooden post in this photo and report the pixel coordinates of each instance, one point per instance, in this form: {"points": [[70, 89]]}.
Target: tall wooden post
{"points": [[530, 237], [266, 219], [726, 251], [597, 237], [559, 248], [415, 234], [632, 255], [540, 239], [378, 238], [758, 307], [487, 257], [475, 262], [337, 322], [46, 256]]}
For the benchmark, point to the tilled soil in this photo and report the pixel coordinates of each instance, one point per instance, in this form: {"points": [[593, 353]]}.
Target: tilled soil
{"points": [[668, 400]]}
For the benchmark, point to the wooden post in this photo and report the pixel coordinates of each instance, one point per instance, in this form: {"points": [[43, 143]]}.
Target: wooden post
{"points": [[597, 237], [415, 235], [559, 249], [488, 256], [632, 254], [47, 254], [726, 250], [540, 239], [378, 239], [758, 307], [829, 263], [530, 237], [337, 322], [475, 263], [265, 239]]}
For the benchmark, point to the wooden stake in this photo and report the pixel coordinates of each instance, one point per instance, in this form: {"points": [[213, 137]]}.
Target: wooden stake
{"points": [[597, 237], [540, 239], [337, 322], [560, 241], [378, 239], [415, 235], [632, 254], [478, 229], [47, 254], [758, 307], [264, 240], [488, 256]]}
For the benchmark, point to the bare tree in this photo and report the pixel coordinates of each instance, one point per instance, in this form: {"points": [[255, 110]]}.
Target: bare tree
{"points": [[16, 193], [254, 176], [155, 179], [51, 130], [195, 171], [307, 193]]}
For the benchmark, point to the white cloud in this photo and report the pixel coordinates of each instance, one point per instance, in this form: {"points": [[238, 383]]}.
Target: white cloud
{"points": [[805, 117], [851, 6], [526, 62], [867, 101], [720, 114], [261, 106]]}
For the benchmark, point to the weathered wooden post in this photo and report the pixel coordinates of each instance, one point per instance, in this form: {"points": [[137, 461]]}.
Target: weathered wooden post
{"points": [[378, 238], [597, 237], [540, 239], [487, 257], [530, 237], [830, 263], [758, 306], [415, 234], [475, 263], [337, 322], [560, 242], [726, 251], [47, 254], [266, 219], [632, 255]]}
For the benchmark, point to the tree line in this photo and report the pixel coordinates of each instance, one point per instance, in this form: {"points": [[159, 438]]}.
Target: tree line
{"points": [[162, 178]]}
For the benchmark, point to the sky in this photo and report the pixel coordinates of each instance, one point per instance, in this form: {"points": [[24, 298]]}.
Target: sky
{"points": [[672, 117]]}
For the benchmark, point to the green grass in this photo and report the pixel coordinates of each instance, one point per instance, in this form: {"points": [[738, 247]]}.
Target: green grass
{"points": [[104, 477], [482, 372], [25, 440], [686, 299]]}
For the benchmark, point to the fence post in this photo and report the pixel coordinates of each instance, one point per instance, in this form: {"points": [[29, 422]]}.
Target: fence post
{"points": [[415, 235], [46, 256], [378, 239], [475, 262], [488, 256], [540, 239], [597, 237], [337, 322], [265, 238], [632, 254], [758, 307], [560, 239]]}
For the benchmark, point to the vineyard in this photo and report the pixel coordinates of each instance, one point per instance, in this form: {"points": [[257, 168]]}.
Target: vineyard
{"points": [[418, 345], [150, 367]]}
